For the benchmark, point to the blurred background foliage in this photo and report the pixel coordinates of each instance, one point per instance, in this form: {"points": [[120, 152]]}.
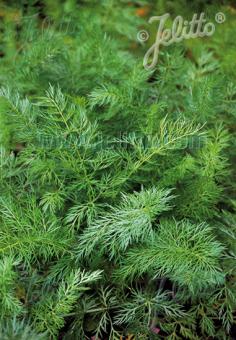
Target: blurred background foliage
{"points": [[24, 23]]}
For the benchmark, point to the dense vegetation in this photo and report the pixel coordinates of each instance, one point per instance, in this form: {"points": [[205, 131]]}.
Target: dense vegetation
{"points": [[117, 186]]}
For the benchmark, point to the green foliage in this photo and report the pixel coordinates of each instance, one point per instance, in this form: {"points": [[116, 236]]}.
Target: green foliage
{"points": [[129, 223], [117, 203], [183, 252], [50, 312], [10, 305], [14, 329]]}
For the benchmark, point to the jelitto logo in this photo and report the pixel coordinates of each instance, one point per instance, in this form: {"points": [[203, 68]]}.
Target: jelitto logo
{"points": [[181, 29]]}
